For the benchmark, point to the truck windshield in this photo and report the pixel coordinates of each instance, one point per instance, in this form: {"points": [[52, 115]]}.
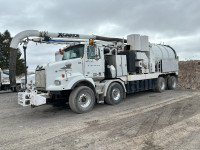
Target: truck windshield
{"points": [[72, 52]]}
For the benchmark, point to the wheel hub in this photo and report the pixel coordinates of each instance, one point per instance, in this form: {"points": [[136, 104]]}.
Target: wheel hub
{"points": [[84, 100], [116, 94]]}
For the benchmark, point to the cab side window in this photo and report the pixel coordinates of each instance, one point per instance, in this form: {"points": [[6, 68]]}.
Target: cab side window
{"points": [[91, 52]]}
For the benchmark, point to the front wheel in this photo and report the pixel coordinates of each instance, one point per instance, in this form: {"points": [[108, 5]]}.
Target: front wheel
{"points": [[114, 94], [82, 99]]}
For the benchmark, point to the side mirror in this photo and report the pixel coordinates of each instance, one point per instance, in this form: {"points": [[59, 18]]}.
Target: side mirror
{"points": [[97, 54]]}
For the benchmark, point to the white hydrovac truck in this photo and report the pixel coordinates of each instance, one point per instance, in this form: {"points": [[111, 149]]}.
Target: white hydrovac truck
{"points": [[95, 69]]}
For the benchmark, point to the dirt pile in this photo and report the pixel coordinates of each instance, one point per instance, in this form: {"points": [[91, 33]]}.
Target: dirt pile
{"points": [[189, 75]]}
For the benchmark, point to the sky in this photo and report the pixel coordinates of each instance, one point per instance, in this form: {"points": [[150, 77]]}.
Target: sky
{"points": [[172, 22]]}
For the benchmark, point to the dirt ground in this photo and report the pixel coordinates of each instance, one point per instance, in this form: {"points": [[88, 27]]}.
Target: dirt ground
{"points": [[189, 74], [143, 121]]}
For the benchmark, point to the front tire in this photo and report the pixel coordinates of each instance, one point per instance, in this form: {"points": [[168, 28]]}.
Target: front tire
{"points": [[82, 99], [114, 94]]}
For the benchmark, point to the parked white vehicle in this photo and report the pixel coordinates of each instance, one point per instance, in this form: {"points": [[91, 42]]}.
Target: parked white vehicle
{"points": [[97, 69], [5, 82]]}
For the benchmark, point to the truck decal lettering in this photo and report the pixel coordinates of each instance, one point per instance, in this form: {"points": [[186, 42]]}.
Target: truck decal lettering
{"points": [[68, 35]]}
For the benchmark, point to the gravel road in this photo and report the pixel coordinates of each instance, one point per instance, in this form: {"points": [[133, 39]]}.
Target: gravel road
{"points": [[143, 121]]}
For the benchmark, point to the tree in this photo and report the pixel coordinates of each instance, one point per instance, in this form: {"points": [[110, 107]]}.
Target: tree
{"points": [[5, 52]]}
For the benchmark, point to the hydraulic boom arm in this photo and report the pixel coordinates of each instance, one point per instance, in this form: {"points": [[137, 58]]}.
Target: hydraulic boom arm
{"points": [[48, 36]]}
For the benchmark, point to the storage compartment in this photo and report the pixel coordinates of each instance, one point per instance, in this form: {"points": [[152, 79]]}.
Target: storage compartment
{"points": [[130, 58], [119, 62]]}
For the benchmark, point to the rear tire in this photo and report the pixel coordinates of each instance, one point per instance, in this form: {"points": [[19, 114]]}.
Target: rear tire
{"points": [[172, 83], [82, 99], [160, 84], [114, 94]]}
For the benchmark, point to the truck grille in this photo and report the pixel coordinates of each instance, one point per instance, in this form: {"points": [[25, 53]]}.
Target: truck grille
{"points": [[40, 79]]}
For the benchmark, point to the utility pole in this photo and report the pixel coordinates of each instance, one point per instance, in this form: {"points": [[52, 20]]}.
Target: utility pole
{"points": [[25, 71]]}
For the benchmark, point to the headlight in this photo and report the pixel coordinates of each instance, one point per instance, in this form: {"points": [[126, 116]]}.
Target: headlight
{"points": [[57, 82]]}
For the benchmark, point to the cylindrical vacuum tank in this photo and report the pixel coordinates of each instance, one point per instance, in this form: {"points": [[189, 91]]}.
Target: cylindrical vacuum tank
{"points": [[162, 52]]}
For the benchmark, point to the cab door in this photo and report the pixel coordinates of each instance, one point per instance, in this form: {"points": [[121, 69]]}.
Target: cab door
{"points": [[94, 62]]}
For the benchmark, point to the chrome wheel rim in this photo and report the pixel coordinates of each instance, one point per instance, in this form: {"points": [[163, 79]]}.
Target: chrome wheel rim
{"points": [[84, 100], [116, 94]]}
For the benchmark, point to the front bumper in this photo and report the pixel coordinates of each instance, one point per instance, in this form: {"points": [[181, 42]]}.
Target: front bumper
{"points": [[32, 98]]}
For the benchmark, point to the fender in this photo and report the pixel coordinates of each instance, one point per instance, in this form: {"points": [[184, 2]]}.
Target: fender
{"points": [[108, 82], [87, 82], [78, 79], [83, 80]]}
